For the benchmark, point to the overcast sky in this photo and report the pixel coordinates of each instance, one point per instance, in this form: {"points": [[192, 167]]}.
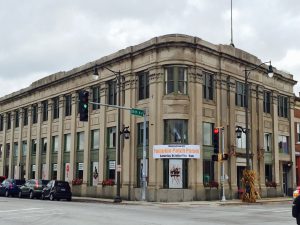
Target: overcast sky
{"points": [[41, 37]]}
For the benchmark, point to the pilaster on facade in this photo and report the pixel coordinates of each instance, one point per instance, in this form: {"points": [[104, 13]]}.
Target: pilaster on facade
{"points": [[72, 171], [60, 160], [11, 143], [292, 141], [38, 167], [276, 161], [102, 138], [20, 162], [87, 146], [29, 145], [50, 147]]}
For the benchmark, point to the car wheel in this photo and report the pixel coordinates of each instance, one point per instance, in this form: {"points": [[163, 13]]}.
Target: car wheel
{"points": [[20, 194], [6, 194], [43, 197], [51, 197], [69, 199], [31, 195]]}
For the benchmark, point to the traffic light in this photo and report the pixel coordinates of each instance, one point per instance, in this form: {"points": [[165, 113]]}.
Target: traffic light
{"points": [[216, 136], [83, 105]]}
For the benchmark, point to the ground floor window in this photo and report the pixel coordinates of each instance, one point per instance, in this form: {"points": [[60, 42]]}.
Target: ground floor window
{"points": [[139, 171], [33, 171], [94, 173], [268, 173], [79, 171], [208, 172], [54, 171], [175, 173], [111, 169]]}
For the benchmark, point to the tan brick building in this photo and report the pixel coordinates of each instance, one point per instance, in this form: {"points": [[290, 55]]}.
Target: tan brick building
{"points": [[188, 86]]}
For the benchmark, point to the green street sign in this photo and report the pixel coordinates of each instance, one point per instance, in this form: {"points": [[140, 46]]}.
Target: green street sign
{"points": [[137, 112]]}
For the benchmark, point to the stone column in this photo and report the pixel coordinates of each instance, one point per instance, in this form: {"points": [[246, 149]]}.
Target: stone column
{"points": [[292, 143], [11, 153], [28, 151], [87, 146], [49, 139], [2, 168], [38, 168], [73, 136], [276, 163], [253, 126], [60, 161], [20, 157], [102, 133]]}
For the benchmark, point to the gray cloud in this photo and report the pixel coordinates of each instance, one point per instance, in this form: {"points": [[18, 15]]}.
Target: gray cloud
{"points": [[43, 37]]}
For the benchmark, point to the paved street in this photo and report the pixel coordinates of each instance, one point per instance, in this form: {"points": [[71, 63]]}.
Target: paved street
{"points": [[14, 211]]}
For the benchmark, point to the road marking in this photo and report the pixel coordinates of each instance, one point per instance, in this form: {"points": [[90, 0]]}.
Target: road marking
{"points": [[17, 210]]}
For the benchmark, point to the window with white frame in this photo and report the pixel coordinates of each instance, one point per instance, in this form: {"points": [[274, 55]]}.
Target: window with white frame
{"points": [[267, 142], [207, 133], [283, 144], [241, 142], [80, 141], [111, 141], [24, 148], [95, 140], [67, 142], [44, 145], [54, 144]]}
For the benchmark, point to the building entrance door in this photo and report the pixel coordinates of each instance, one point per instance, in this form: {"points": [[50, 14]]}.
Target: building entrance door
{"points": [[239, 175], [285, 170]]}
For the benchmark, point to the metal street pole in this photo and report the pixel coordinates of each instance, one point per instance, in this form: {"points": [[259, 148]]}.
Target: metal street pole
{"points": [[118, 196], [247, 123], [144, 160], [223, 166]]}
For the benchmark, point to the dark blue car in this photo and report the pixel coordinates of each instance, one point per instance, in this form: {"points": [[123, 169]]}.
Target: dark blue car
{"points": [[10, 187]]}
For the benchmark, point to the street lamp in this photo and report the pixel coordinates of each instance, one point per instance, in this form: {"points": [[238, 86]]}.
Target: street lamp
{"points": [[117, 198], [240, 129]]}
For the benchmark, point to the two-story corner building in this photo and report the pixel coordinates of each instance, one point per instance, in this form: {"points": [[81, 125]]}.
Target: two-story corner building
{"points": [[187, 86], [297, 138]]}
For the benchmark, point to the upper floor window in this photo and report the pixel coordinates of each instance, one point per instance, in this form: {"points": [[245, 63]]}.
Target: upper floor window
{"points": [[282, 106], [267, 102], [68, 105], [25, 116], [24, 148], [55, 107], [208, 92], [45, 110], [7, 150], [1, 122], [33, 146], [111, 137], [34, 113], [17, 118], [95, 140], [267, 142], [44, 145], [16, 146], [176, 131], [207, 133], [8, 121], [96, 97], [54, 144], [67, 143], [241, 142], [112, 92], [283, 144], [298, 133], [143, 84], [240, 95], [176, 80], [1, 151], [140, 133], [80, 141]]}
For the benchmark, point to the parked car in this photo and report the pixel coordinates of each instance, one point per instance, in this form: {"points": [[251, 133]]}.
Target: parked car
{"points": [[296, 192], [32, 188], [56, 189], [10, 187]]}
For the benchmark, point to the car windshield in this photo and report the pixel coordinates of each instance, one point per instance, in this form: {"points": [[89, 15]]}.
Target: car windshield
{"points": [[45, 182], [62, 184]]}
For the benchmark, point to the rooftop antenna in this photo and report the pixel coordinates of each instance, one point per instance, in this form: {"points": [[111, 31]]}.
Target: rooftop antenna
{"points": [[231, 41]]}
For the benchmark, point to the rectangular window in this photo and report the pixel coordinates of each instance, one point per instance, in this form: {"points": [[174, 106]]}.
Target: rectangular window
{"points": [[80, 141], [68, 105], [298, 133], [24, 148], [268, 173], [25, 116], [33, 147], [67, 143], [207, 133], [267, 142], [44, 146], [111, 169], [111, 133], [54, 144], [283, 144], [96, 97], [175, 173], [45, 110], [8, 121], [17, 118], [1, 151], [15, 153], [240, 95], [176, 131], [140, 133], [112, 93], [208, 172], [208, 86], [54, 171], [34, 114], [176, 80], [143, 84], [79, 171], [282, 106], [241, 142], [7, 150], [95, 140], [267, 102], [1, 122], [55, 107]]}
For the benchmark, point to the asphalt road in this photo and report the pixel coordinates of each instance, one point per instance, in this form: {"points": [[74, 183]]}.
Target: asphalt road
{"points": [[14, 211]]}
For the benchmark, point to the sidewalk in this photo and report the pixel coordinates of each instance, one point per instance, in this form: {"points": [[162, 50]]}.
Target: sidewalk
{"points": [[192, 203]]}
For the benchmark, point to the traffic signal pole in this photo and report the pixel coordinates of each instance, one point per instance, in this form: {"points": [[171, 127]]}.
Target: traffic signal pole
{"points": [[223, 165]]}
